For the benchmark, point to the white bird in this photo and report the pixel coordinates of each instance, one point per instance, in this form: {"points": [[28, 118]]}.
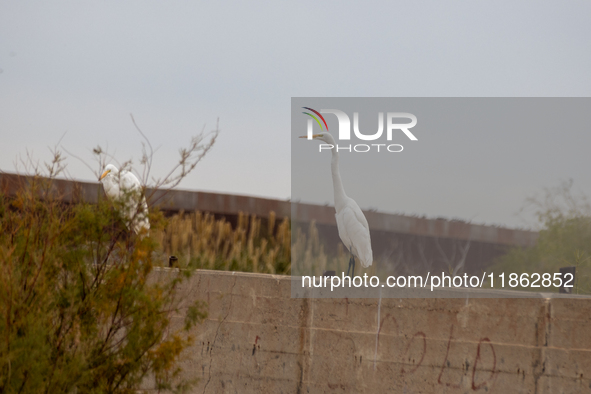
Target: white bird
{"points": [[124, 187], [351, 223]]}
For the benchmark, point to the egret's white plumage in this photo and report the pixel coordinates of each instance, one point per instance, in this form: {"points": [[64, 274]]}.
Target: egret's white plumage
{"points": [[124, 187], [351, 222]]}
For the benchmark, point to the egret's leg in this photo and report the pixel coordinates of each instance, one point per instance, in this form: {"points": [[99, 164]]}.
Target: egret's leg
{"points": [[351, 267]]}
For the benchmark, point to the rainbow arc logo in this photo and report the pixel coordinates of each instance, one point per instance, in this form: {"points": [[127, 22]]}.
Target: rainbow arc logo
{"points": [[315, 118]]}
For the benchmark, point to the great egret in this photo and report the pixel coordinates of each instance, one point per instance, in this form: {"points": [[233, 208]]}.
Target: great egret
{"points": [[124, 187], [351, 222]]}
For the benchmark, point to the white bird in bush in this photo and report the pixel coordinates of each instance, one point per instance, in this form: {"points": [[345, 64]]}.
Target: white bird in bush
{"points": [[351, 223], [124, 187]]}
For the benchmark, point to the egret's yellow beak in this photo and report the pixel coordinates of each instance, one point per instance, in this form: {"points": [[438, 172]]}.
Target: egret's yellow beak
{"points": [[104, 175], [313, 136]]}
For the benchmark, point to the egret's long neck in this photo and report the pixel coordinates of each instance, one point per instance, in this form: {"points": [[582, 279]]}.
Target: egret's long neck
{"points": [[337, 184]]}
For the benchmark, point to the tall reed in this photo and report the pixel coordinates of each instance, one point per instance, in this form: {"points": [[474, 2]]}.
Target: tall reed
{"points": [[202, 241], [254, 245]]}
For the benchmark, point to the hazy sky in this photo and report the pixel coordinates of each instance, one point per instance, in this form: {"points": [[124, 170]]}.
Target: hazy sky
{"points": [[83, 67]]}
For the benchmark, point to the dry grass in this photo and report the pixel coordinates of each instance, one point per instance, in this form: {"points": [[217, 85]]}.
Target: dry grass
{"points": [[265, 246], [201, 241], [309, 256]]}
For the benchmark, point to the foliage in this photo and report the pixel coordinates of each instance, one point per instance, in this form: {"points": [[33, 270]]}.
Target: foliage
{"points": [[252, 245], [77, 307], [84, 307], [205, 242], [564, 239], [309, 256]]}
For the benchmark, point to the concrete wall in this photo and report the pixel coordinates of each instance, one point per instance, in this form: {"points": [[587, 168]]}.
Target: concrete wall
{"points": [[257, 339]]}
